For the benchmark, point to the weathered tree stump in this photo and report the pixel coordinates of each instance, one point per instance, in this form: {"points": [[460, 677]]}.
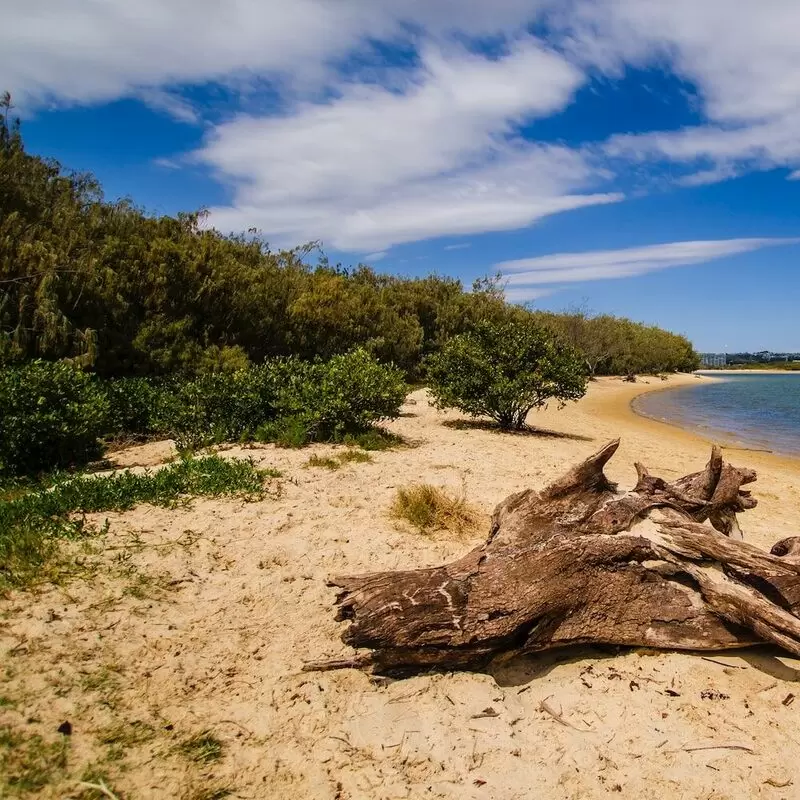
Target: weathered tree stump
{"points": [[578, 563]]}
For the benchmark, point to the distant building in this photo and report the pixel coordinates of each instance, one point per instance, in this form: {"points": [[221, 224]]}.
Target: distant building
{"points": [[713, 359]]}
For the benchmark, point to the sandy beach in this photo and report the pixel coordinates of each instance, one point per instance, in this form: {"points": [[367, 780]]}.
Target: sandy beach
{"points": [[199, 619]]}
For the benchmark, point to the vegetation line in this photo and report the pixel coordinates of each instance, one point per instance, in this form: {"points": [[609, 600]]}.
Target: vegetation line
{"points": [[31, 523]]}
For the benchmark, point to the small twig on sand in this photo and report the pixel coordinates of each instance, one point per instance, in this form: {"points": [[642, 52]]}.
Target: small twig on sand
{"points": [[694, 748], [778, 784], [100, 787], [249, 733], [558, 716], [722, 663], [487, 713]]}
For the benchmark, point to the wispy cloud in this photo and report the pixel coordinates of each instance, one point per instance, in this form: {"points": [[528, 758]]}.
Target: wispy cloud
{"points": [[458, 246], [526, 294], [745, 67], [371, 257], [171, 104], [376, 167], [166, 163], [605, 264]]}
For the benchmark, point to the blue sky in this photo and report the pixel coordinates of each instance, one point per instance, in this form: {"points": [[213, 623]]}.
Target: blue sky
{"points": [[636, 157]]}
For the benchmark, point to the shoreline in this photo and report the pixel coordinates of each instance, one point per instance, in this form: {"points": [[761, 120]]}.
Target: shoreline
{"points": [[711, 372], [718, 437], [611, 401]]}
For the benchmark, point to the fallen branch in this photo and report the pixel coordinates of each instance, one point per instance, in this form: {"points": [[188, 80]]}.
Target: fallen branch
{"points": [[579, 563]]}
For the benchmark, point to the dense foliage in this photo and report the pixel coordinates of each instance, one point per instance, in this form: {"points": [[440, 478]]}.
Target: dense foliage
{"points": [[616, 346], [503, 370], [54, 413], [127, 294], [52, 416]]}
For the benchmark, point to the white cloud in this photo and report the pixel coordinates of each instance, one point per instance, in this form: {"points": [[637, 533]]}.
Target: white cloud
{"points": [[433, 152], [169, 103], [458, 246], [742, 57], [376, 167], [372, 257], [605, 264], [704, 177], [87, 51]]}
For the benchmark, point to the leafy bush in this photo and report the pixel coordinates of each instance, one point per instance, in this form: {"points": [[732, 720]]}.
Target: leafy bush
{"points": [[54, 413], [52, 416], [503, 369], [219, 407], [135, 406], [346, 394]]}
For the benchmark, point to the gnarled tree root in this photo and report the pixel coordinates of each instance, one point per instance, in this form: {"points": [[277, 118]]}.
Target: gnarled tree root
{"points": [[579, 563]]}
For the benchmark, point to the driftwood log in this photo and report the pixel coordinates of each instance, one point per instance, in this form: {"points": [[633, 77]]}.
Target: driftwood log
{"points": [[579, 563]]}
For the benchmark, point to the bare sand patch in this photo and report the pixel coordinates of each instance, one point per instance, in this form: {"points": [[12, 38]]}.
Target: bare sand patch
{"points": [[195, 622]]}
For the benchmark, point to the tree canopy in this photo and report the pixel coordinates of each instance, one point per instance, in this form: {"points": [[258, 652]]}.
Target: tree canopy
{"points": [[122, 292]]}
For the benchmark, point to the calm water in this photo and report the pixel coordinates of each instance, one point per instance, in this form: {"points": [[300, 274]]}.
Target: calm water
{"points": [[749, 410]]}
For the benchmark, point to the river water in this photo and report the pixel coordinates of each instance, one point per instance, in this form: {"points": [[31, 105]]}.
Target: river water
{"points": [[751, 409]]}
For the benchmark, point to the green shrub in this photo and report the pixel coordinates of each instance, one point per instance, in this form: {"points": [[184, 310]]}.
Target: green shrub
{"points": [[504, 369], [288, 432], [219, 407], [52, 416], [347, 394], [135, 406]]}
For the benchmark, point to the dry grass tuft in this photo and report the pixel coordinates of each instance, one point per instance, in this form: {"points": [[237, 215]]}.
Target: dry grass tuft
{"points": [[354, 456], [323, 461], [430, 508], [349, 456]]}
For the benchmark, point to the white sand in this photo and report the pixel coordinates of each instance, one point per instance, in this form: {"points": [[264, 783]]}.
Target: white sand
{"points": [[222, 648]]}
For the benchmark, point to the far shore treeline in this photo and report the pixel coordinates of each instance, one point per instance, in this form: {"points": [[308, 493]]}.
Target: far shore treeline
{"points": [[114, 322]]}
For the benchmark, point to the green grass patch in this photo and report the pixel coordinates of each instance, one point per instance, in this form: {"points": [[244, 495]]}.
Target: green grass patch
{"points": [[203, 747], [354, 457], [28, 763], [324, 462], [31, 523], [429, 508]]}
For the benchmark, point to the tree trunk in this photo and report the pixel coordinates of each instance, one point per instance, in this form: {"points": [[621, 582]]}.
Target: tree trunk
{"points": [[579, 563]]}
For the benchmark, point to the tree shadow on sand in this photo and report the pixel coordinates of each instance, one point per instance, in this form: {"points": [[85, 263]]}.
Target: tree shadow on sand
{"points": [[528, 430]]}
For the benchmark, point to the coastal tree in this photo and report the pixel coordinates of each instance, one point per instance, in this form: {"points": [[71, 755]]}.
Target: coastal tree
{"points": [[503, 369]]}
